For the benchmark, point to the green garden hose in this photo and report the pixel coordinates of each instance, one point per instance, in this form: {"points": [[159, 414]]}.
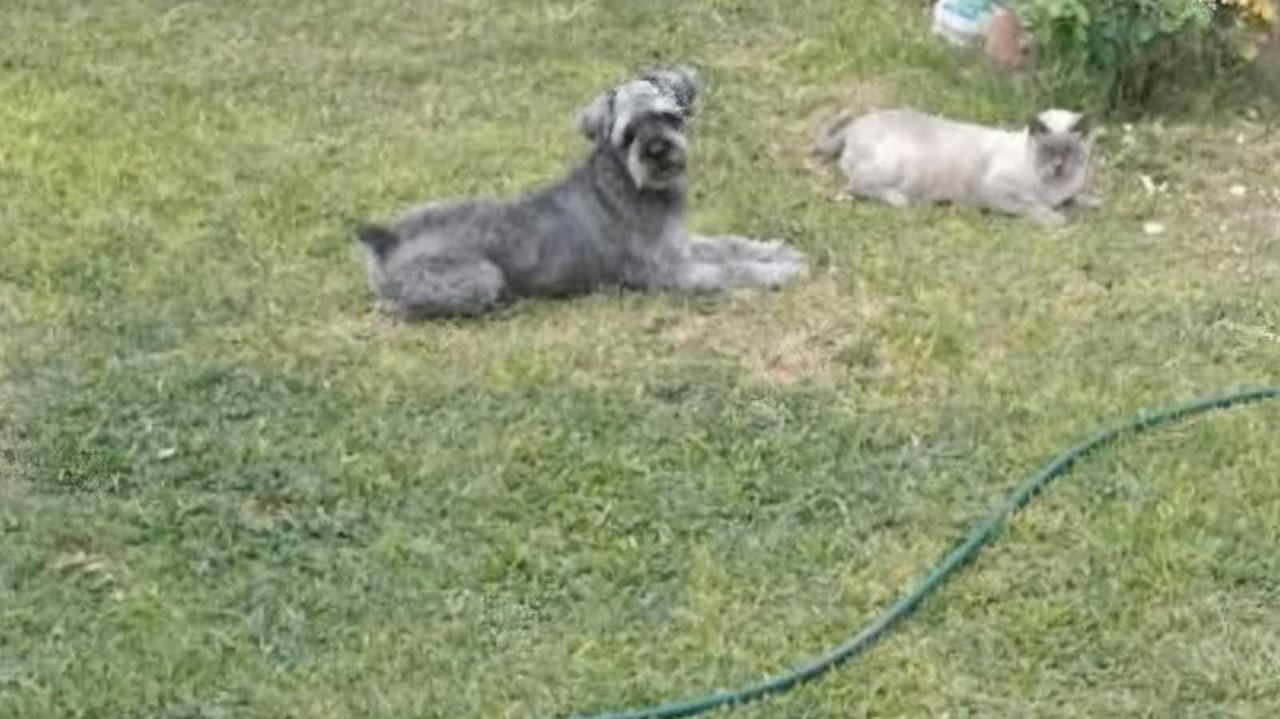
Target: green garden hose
{"points": [[978, 537]]}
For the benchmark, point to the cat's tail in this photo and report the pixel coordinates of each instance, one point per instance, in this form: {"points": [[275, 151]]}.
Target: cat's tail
{"points": [[829, 140], [379, 240]]}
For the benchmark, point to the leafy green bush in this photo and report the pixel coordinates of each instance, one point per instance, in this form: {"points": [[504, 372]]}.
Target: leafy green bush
{"points": [[1126, 56]]}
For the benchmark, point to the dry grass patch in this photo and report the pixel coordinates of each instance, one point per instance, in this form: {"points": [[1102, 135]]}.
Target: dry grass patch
{"points": [[819, 109], [815, 333]]}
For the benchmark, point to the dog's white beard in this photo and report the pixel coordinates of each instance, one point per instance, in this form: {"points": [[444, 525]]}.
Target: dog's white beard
{"points": [[642, 174], [638, 170]]}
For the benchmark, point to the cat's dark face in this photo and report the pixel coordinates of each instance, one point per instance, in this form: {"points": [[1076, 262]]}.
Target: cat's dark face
{"points": [[1059, 145], [1059, 157]]}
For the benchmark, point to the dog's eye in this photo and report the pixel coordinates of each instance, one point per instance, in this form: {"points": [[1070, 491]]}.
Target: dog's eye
{"points": [[672, 119]]}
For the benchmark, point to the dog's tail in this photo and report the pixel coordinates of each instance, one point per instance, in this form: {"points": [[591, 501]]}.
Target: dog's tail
{"points": [[379, 240], [829, 141]]}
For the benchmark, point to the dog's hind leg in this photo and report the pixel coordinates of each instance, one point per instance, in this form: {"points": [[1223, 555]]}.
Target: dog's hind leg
{"points": [[443, 286]]}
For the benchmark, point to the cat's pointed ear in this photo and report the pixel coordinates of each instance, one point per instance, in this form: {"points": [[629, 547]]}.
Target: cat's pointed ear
{"points": [[1082, 125], [1036, 126]]}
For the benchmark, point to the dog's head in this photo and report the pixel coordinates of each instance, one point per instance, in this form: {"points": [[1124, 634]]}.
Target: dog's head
{"points": [[643, 121]]}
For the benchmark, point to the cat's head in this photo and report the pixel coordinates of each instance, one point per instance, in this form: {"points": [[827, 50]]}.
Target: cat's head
{"points": [[1060, 145]]}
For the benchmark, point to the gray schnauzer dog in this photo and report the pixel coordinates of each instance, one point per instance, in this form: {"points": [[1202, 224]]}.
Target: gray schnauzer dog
{"points": [[617, 220]]}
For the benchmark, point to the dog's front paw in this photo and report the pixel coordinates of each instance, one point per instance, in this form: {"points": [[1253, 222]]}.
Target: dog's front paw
{"points": [[779, 252], [778, 273]]}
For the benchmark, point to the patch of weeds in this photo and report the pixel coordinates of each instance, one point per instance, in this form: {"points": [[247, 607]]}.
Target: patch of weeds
{"points": [[204, 425]]}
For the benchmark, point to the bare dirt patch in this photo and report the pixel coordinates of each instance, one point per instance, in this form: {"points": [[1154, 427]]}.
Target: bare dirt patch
{"points": [[815, 333]]}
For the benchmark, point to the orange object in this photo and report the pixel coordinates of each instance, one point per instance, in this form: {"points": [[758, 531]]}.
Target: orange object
{"points": [[1006, 40]]}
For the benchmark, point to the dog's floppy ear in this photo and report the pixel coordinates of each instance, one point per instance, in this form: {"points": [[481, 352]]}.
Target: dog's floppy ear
{"points": [[596, 119], [686, 85], [682, 82]]}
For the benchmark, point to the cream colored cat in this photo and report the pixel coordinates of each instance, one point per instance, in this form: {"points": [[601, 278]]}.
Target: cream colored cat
{"points": [[905, 156]]}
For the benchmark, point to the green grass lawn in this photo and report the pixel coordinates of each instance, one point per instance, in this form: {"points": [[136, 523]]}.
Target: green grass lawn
{"points": [[230, 489]]}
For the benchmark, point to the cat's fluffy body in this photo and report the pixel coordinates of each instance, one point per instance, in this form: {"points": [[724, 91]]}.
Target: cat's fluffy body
{"points": [[905, 156]]}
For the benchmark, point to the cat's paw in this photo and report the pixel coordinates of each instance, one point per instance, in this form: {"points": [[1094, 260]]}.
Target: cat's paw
{"points": [[896, 199], [1051, 219], [1088, 200]]}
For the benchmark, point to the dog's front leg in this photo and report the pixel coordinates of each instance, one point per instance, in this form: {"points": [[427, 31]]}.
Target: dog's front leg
{"points": [[701, 277], [686, 275], [744, 262], [674, 270], [713, 264]]}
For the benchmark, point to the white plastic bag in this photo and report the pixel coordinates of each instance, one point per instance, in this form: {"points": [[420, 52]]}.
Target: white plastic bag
{"points": [[963, 22]]}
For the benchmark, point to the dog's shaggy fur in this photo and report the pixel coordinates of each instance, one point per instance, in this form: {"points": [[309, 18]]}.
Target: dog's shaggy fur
{"points": [[617, 220]]}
